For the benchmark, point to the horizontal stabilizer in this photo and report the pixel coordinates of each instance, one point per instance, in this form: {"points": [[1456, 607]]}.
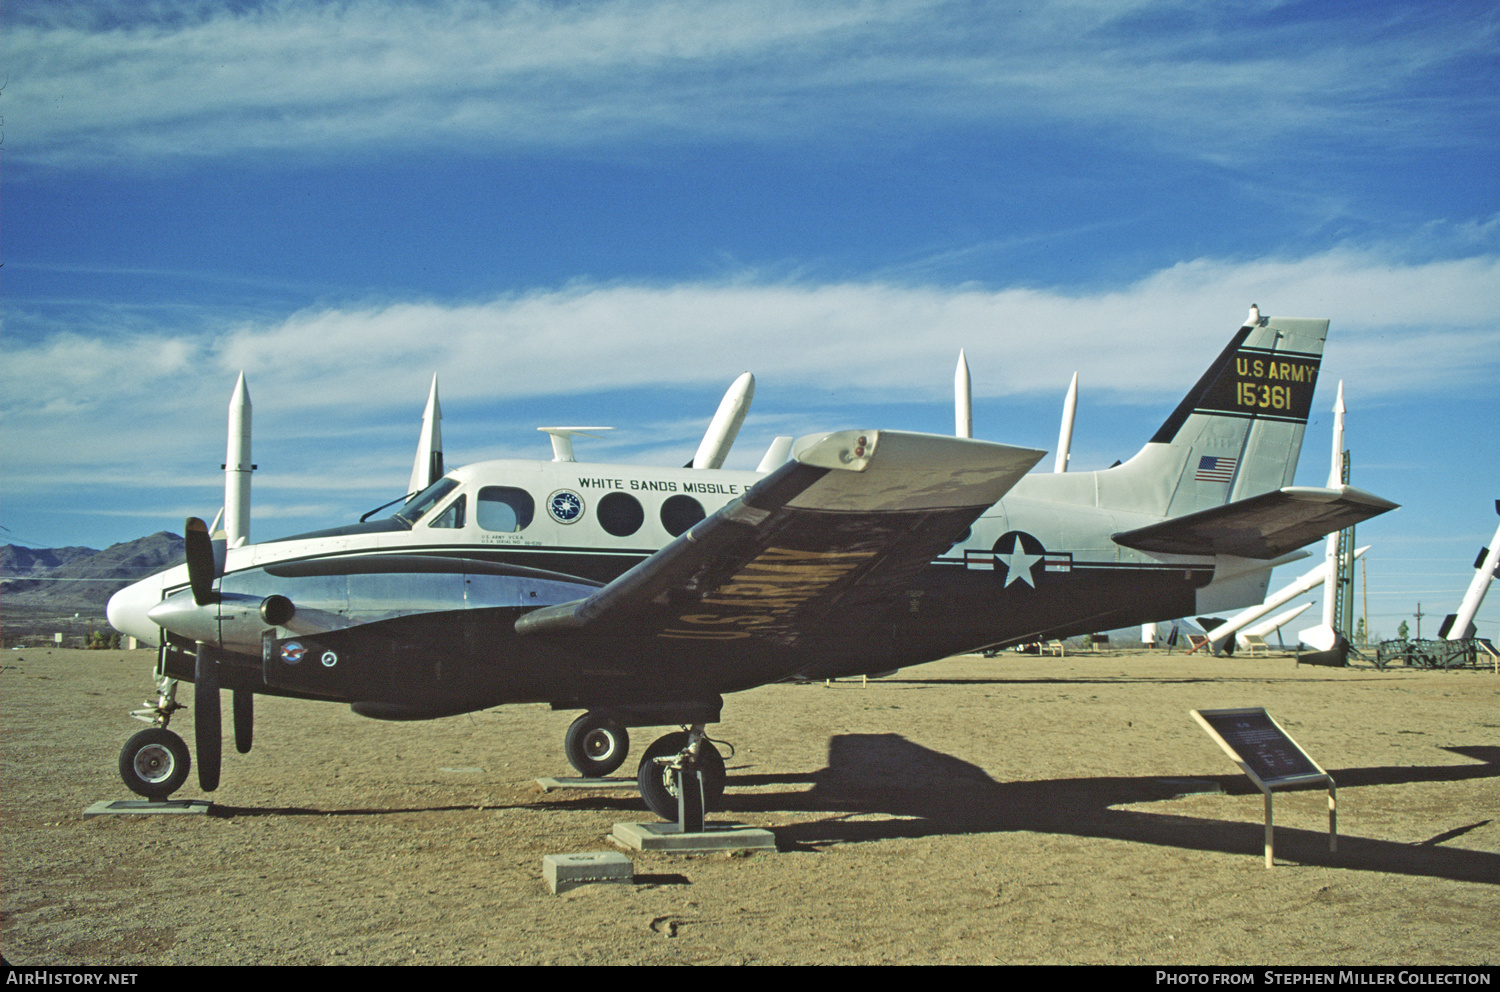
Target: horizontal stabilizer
{"points": [[846, 521], [1262, 527]]}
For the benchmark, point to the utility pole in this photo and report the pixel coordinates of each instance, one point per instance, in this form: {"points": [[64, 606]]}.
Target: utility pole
{"points": [[1364, 593], [1343, 587], [1419, 615]]}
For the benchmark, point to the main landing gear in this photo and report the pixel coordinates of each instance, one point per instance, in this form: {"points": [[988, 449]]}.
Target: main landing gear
{"points": [[675, 759], [597, 744]]}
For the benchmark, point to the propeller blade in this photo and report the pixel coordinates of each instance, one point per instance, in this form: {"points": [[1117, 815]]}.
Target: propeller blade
{"points": [[244, 719], [208, 727], [202, 570]]}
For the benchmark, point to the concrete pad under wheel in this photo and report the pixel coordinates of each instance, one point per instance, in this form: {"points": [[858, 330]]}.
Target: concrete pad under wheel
{"points": [[667, 837], [149, 807], [548, 784]]}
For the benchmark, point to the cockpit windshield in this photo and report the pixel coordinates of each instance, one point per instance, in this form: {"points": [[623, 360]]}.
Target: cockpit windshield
{"points": [[425, 500]]}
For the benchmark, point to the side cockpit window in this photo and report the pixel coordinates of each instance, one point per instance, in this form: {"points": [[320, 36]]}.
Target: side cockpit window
{"points": [[419, 504], [453, 516], [504, 509]]}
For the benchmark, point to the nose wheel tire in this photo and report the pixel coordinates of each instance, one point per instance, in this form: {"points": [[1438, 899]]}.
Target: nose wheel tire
{"points": [[596, 745], [154, 763], [658, 785]]}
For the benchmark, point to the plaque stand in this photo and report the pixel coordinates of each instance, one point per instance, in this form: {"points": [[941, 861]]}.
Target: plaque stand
{"points": [[1270, 758]]}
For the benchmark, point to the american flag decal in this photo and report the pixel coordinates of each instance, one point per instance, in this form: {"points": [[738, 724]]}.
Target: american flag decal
{"points": [[1215, 468]]}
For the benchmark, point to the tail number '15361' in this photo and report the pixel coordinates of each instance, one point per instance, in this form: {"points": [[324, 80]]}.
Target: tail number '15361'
{"points": [[1263, 397]]}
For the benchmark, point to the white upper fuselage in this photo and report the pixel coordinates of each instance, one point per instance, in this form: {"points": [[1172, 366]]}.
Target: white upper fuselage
{"points": [[597, 520]]}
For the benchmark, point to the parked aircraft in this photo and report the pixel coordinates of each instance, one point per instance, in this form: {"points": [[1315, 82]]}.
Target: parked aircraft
{"points": [[642, 596]]}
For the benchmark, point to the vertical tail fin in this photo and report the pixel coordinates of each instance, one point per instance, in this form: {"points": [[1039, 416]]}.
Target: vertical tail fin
{"points": [[1238, 431]]}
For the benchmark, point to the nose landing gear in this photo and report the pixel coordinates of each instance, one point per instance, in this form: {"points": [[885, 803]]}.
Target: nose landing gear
{"points": [[155, 762]]}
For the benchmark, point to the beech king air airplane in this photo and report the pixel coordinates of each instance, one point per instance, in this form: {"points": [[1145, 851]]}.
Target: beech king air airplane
{"points": [[642, 596]]}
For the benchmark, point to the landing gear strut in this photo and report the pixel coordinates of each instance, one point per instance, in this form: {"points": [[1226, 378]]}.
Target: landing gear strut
{"points": [[666, 763]]}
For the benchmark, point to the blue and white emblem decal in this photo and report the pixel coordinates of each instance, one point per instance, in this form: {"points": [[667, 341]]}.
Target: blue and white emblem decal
{"points": [[1017, 555], [565, 505], [292, 652]]}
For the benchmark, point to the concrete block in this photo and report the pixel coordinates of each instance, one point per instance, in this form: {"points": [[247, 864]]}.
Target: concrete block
{"points": [[715, 837], [148, 807], [569, 871], [548, 784]]}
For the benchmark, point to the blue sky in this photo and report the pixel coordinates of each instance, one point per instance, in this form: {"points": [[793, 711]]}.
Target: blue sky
{"points": [[604, 212]]}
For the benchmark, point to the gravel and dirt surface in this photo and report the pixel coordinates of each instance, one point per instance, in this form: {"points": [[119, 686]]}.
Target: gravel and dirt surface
{"points": [[1015, 810]]}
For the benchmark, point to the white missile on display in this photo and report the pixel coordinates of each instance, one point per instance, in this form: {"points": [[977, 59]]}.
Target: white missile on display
{"points": [[1275, 623], [725, 426], [1324, 636], [1485, 574], [1242, 619], [237, 468], [428, 466], [1336, 469], [963, 399], [1065, 436]]}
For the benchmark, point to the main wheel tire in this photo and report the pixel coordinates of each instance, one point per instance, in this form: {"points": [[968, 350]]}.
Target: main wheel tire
{"points": [[154, 763], [596, 745], [657, 786]]}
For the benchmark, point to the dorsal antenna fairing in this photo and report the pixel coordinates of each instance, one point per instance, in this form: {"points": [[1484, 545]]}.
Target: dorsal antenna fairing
{"points": [[562, 440]]}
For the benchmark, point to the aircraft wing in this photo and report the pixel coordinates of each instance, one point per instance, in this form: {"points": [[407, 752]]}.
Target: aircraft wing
{"points": [[817, 544], [1265, 526]]}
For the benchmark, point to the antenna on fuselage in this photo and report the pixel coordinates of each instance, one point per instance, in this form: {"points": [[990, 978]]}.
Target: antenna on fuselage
{"points": [[725, 426], [562, 440], [428, 466]]}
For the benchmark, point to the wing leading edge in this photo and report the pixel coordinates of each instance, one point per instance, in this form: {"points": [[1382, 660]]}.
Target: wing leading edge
{"points": [[1262, 527], [837, 528]]}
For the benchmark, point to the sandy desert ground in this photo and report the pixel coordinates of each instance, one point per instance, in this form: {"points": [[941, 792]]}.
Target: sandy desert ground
{"points": [[973, 811]]}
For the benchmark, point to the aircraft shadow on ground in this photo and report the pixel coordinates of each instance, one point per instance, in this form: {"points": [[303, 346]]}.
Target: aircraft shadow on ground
{"points": [[935, 794]]}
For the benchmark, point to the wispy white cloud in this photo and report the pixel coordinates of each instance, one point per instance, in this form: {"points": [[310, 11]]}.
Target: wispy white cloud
{"points": [[329, 374], [122, 83]]}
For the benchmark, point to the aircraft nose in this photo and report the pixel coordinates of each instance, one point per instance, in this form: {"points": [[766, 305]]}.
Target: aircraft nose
{"points": [[127, 611]]}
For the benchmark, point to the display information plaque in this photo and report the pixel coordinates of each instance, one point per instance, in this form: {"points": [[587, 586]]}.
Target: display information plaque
{"points": [[1270, 758]]}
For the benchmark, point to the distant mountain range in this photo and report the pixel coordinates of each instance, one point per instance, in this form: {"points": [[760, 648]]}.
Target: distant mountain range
{"points": [[80, 579]]}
